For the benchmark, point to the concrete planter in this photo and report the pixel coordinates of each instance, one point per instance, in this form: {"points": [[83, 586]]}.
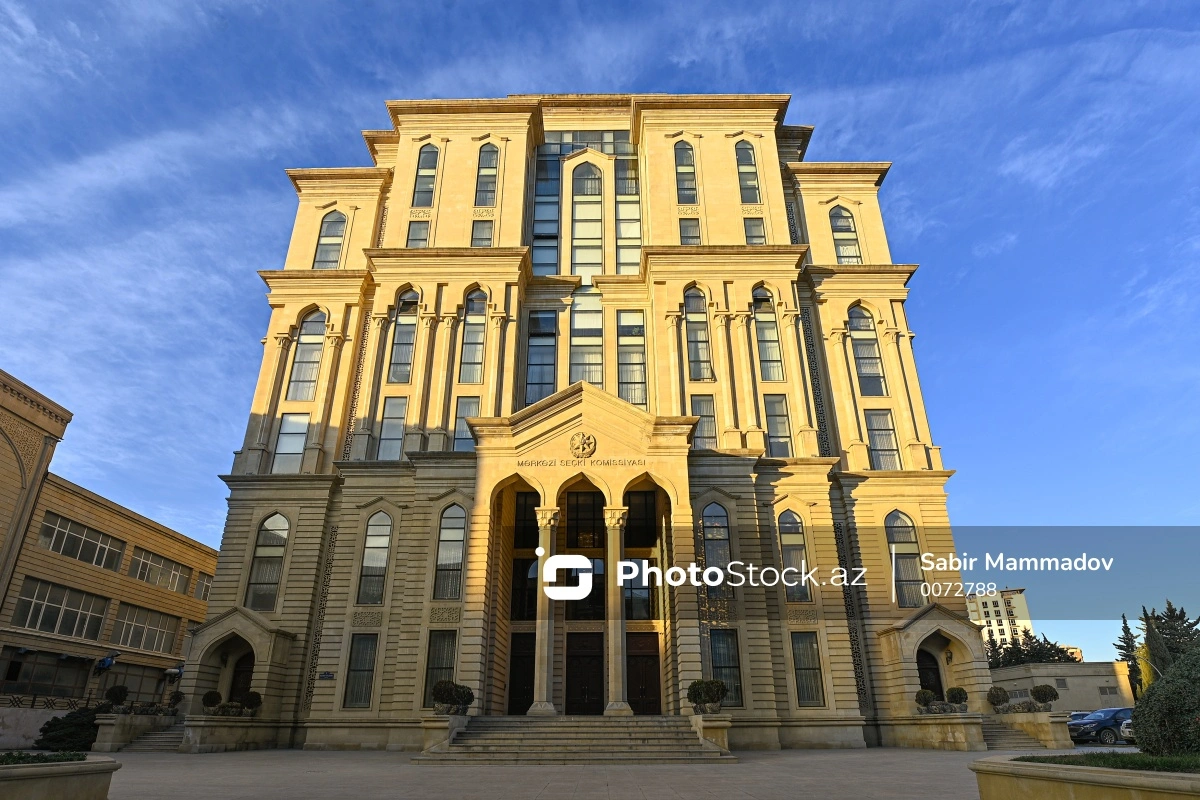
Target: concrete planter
{"points": [[1049, 728], [218, 734], [1001, 778], [77, 780]]}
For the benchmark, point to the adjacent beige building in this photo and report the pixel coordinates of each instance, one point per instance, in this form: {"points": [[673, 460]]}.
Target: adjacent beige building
{"points": [[1084, 686]]}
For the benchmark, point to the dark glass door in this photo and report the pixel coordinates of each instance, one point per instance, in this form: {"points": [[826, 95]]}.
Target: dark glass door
{"points": [[641, 659], [585, 673], [243, 675], [520, 673], [929, 674]]}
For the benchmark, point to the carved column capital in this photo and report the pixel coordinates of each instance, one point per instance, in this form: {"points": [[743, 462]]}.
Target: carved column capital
{"points": [[548, 516], [283, 340], [615, 517]]}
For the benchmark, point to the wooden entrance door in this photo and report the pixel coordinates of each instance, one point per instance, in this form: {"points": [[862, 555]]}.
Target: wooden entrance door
{"points": [[642, 667], [585, 673], [520, 673]]}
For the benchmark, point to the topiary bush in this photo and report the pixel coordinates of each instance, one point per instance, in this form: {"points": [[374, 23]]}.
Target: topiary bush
{"points": [[252, 701], [211, 699], [1166, 719], [443, 692], [956, 694], [175, 698], [75, 731], [463, 697], [117, 694], [925, 697], [997, 696], [1044, 693]]}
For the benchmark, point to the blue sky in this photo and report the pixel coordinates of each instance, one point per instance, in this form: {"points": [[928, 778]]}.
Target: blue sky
{"points": [[1046, 166]]}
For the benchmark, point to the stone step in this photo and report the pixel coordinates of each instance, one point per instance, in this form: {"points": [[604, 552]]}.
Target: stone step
{"points": [[160, 741], [448, 759]]}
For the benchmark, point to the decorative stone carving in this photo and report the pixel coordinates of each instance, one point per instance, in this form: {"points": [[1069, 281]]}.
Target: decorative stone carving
{"points": [[445, 614], [484, 212], [314, 653], [583, 445], [420, 213], [26, 440], [615, 517], [752, 211], [367, 619], [801, 614], [547, 517], [688, 211]]}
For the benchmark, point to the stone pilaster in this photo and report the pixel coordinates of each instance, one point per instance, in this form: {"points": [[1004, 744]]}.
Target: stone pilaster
{"points": [[614, 613], [543, 661]]}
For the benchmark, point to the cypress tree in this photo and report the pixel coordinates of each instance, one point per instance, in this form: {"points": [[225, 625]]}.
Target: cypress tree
{"points": [[1160, 656], [1127, 646], [1179, 632]]}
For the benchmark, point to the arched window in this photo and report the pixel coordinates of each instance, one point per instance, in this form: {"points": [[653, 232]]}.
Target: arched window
{"points": [[404, 338], [447, 582], [329, 242], [715, 521], [587, 226], [485, 178], [306, 363], [587, 337], [791, 539], [375, 558], [427, 162], [474, 326], [766, 331], [685, 173], [845, 236], [902, 540], [695, 314], [867, 360], [267, 567], [747, 172]]}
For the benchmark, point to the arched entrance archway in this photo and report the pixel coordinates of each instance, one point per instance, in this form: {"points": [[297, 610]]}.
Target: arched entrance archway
{"points": [[930, 674], [241, 677]]}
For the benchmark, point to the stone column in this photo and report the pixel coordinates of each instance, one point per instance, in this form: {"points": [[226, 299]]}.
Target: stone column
{"points": [[415, 436], [673, 392], [368, 392], [327, 384], [756, 438], [614, 614], [728, 434], [803, 429], [488, 405], [442, 385], [543, 660]]}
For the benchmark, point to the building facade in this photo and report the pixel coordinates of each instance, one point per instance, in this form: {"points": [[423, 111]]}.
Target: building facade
{"points": [[1002, 616], [1084, 686], [635, 327]]}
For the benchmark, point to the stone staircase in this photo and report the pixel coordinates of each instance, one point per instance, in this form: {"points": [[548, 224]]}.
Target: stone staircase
{"points": [[998, 736], [577, 740], [165, 740]]}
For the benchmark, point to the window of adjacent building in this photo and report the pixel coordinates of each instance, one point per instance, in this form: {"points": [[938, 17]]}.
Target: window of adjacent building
{"points": [[631, 357], [715, 523], [629, 217], [203, 586], [791, 539], [447, 583], [902, 539], [868, 362], [641, 522], [158, 571], [1108, 690], [360, 670], [539, 370], [689, 231], [473, 330], [1060, 683], [779, 429], [267, 567], [439, 661], [845, 236], [374, 560], [524, 589], [726, 666], [766, 332], [418, 234], [747, 172], [329, 241], [587, 223], [81, 542], [591, 607], [525, 529], [485, 179], [587, 337], [881, 440], [640, 600], [464, 442], [427, 163], [695, 313], [391, 428], [145, 684], [307, 362], [404, 338], [481, 233], [806, 657], [756, 233], [144, 629], [289, 444], [685, 174], [52, 608], [43, 673], [585, 520], [705, 436]]}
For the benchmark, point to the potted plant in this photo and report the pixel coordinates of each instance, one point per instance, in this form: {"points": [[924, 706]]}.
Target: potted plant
{"points": [[252, 701], [924, 698], [173, 700], [706, 696], [1043, 694], [997, 696], [211, 699], [463, 698], [443, 697], [117, 695], [958, 697]]}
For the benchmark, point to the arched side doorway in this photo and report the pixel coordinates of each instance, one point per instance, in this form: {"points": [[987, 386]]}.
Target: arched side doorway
{"points": [[930, 674], [241, 677]]}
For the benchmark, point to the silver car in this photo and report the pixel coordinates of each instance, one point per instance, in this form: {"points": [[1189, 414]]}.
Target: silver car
{"points": [[1127, 731]]}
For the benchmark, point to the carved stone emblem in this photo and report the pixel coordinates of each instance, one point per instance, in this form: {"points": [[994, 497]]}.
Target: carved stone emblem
{"points": [[583, 445]]}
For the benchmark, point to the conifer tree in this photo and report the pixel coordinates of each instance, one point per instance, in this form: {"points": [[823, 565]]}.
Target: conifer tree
{"points": [[1160, 656], [1127, 647], [1179, 632]]}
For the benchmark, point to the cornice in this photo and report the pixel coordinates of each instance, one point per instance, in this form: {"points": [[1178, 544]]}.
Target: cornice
{"points": [[730, 257], [326, 180], [827, 271], [472, 258], [814, 172], [34, 399]]}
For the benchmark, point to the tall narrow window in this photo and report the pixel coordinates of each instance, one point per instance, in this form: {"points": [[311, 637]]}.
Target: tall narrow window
{"points": [[689, 231], [427, 163], [464, 442], [906, 554], [641, 525], [766, 331], [867, 361], [779, 429], [447, 583], [747, 172], [329, 242], [523, 604], [705, 437], [806, 657], [360, 671], [474, 327], [629, 217], [685, 174], [587, 337], [587, 238], [539, 370], [391, 428], [418, 234], [306, 364], [640, 595], [374, 560], [585, 520], [715, 522], [481, 233], [696, 329], [725, 663], [404, 338], [485, 179], [845, 236], [289, 444], [546, 211], [203, 587], [439, 661], [631, 357], [791, 540], [756, 234], [267, 567], [881, 440], [525, 530]]}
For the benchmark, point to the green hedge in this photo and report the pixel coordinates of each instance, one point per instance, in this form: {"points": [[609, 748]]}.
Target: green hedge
{"points": [[19, 757], [1166, 720], [1123, 761]]}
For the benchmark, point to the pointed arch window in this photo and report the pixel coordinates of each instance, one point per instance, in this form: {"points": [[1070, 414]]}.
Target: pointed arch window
{"points": [[587, 223], [715, 523], [262, 589], [695, 314], [306, 363], [906, 556], [587, 337], [845, 236], [470, 368], [791, 539], [766, 331], [868, 362], [329, 241], [427, 163], [747, 172], [374, 561], [685, 174], [404, 338], [485, 178], [447, 582]]}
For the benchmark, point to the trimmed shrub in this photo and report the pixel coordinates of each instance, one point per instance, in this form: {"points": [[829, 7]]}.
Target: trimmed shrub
{"points": [[443, 692], [1044, 693], [73, 732], [117, 694], [252, 701], [925, 697], [956, 694], [19, 757], [175, 698], [212, 698], [997, 696], [705, 692], [463, 696], [1166, 719], [695, 692]]}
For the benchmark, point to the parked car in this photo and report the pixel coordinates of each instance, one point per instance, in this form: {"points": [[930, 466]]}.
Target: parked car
{"points": [[1127, 731], [1103, 726], [1078, 715]]}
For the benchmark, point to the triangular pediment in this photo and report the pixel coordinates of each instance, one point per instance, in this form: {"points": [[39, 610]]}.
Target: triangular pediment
{"points": [[236, 618], [934, 612]]}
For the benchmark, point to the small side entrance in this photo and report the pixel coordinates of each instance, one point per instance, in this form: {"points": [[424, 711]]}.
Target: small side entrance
{"points": [[642, 667], [243, 676], [929, 674], [585, 673], [520, 673]]}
